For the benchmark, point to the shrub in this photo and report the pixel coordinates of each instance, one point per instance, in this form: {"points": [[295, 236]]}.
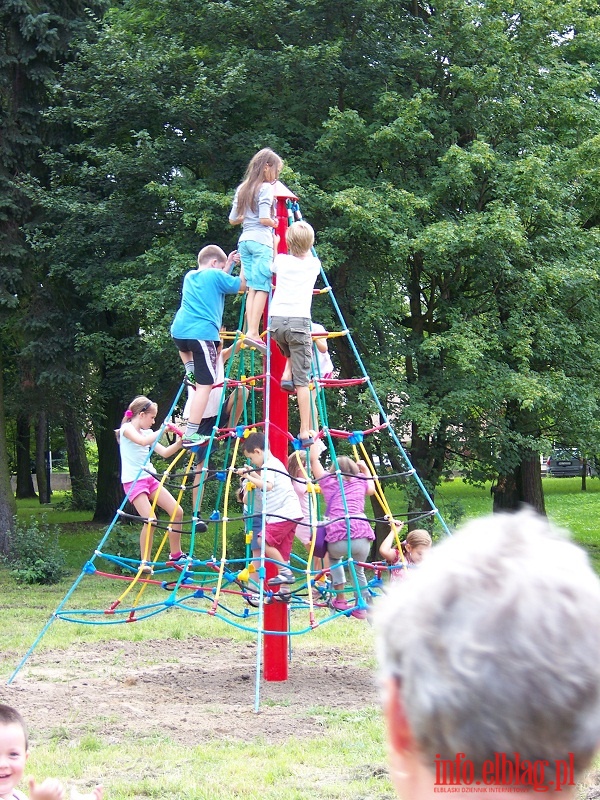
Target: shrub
{"points": [[453, 512], [124, 542], [34, 554]]}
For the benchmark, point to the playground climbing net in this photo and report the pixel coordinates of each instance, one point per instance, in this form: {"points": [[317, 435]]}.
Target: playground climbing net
{"points": [[219, 575]]}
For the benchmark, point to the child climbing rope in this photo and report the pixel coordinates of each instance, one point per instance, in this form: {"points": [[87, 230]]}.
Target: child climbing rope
{"points": [[351, 493], [195, 329], [324, 362], [282, 507], [322, 368], [253, 208], [135, 436], [414, 548], [290, 323]]}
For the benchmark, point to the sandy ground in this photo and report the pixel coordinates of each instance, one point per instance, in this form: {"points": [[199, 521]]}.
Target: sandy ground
{"points": [[194, 690], [208, 685]]}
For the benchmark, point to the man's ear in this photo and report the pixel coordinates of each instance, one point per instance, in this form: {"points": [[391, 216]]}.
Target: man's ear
{"points": [[399, 732]]}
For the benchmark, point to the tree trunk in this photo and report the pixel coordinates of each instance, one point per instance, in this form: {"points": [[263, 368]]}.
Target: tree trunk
{"points": [[82, 483], [427, 457], [522, 486], [427, 452], [24, 480], [41, 437], [382, 528], [109, 490], [8, 504]]}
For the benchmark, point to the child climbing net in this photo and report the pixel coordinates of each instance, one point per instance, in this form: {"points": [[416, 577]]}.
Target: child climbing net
{"points": [[212, 580], [214, 576]]}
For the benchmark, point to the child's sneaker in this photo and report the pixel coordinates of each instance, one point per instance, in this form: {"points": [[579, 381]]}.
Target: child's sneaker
{"points": [[283, 594], [360, 613], [145, 569], [178, 557], [284, 576], [195, 440], [340, 604]]}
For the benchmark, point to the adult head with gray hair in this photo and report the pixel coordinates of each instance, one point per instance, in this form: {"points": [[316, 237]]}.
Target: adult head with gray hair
{"points": [[490, 656]]}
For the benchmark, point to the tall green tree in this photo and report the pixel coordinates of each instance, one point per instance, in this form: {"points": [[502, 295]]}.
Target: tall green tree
{"points": [[443, 155], [34, 41], [478, 183]]}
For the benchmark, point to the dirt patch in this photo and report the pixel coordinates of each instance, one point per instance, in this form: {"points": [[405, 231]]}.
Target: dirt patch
{"points": [[193, 690]]}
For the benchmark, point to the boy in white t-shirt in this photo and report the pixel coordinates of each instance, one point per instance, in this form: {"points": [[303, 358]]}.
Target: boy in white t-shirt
{"points": [[290, 324]]}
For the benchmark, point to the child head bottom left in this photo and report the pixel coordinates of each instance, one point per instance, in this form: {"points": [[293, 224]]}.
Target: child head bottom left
{"points": [[14, 752]]}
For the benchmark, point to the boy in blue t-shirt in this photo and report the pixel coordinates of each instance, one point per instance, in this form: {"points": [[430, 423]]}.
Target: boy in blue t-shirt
{"points": [[197, 324]]}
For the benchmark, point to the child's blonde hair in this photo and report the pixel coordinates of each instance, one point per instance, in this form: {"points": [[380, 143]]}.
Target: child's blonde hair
{"points": [[346, 465], [138, 405], [297, 463], [247, 197], [209, 252], [416, 538], [300, 238]]}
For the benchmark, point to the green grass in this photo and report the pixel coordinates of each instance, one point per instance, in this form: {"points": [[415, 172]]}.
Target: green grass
{"points": [[566, 505], [347, 761], [53, 511], [335, 766]]}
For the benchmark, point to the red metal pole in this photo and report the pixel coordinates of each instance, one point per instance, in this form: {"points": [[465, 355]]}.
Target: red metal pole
{"points": [[275, 648], [278, 442]]}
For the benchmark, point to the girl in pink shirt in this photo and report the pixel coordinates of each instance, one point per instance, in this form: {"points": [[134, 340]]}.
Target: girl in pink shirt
{"points": [[347, 490]]}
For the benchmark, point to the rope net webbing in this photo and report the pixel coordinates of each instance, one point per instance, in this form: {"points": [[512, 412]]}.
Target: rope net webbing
{"points": [[218, 583], [218, 576]]}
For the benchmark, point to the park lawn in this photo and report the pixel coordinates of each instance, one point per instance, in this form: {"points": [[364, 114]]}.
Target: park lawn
{"points": [[566, 505], [347, 761]]}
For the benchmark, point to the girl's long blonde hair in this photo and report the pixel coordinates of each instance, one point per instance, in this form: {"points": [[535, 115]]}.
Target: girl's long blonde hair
{"points": [[247, 193], [348, 467], [415, 538], [297, 461], [137, 406]]}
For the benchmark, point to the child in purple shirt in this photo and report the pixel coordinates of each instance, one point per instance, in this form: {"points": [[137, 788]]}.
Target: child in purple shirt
{"points": [[354, 484]]}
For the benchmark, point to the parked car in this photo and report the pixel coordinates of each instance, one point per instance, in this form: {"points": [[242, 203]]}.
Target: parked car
{"points": [[566, 463]]}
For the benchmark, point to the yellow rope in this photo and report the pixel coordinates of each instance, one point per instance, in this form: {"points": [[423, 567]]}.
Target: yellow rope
{"points": [[331, 335], [146, 553], [313, 513], [381, 498]]}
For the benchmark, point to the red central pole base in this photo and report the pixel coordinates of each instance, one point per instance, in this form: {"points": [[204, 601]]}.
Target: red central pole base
{"points": [[275, 647]]}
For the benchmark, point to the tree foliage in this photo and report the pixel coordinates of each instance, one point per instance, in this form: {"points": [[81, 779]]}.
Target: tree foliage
{"points": [[447, 157], [35, 39]]}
